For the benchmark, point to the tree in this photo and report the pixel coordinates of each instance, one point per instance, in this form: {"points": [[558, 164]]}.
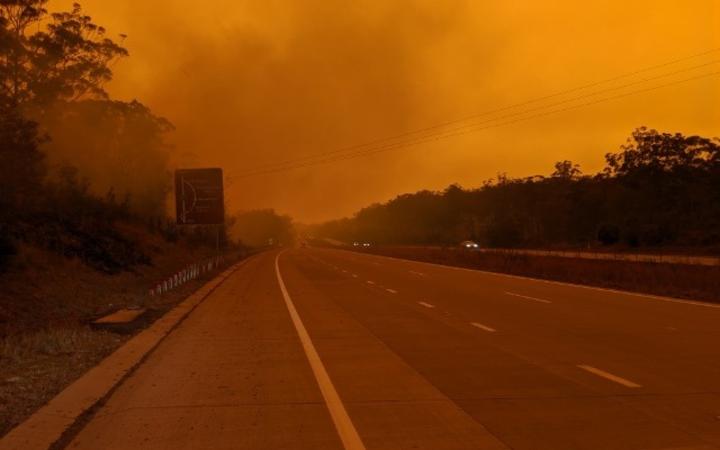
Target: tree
{"points": [[53, 69], [263, 227], [21, 170], [566, 170], [649, 152], [16, 16], [131, 140], [659, 189], [69, 59]]}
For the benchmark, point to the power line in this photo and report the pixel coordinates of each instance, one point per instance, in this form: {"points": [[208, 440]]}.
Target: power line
{"points": [[547, 113], [512, 106], [511, 115], [261, 168], [474, 128]]}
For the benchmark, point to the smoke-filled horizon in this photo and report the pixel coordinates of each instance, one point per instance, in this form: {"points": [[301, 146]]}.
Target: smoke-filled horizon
{"points": [[252, 83]]}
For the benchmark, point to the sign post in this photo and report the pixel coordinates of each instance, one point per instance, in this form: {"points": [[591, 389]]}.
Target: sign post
{"points": [[200, 199]]}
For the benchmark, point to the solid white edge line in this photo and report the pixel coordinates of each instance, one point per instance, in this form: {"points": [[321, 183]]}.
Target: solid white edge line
{"points": [[345, 428], [527, 297], [609, 376], [483, 327], [557, 283]]}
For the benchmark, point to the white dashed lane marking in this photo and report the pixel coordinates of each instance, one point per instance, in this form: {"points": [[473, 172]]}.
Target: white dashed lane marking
{"points": [[609, 376], [483, 327], [540, 300]]}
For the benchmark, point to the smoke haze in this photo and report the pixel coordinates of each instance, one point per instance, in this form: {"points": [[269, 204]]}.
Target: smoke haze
{"points": [[253, 82]]}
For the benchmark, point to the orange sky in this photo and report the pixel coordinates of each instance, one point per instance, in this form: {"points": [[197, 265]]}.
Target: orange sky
{"points": [[254, 82]]}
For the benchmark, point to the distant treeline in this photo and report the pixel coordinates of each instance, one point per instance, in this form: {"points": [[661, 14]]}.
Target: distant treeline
{"points": [[73, 160], [261, 228], [660, 189]]}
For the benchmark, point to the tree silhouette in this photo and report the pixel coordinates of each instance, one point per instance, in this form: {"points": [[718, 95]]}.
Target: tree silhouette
{"points": [[21, 170], [53, 69], [659, 189], [68, 59], [567, 170]]}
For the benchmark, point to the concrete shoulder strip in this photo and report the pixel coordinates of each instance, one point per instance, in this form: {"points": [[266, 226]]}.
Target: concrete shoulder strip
{"points": [[44, 428]]}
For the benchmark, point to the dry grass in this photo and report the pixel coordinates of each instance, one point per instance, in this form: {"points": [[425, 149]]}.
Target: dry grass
{"points": [[48, 342], [46, 302], [37, 363], [35, 366], [673, 280], [43, 289]]}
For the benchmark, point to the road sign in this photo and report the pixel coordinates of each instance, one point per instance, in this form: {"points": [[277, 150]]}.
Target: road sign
{"points": [[199, 197]]}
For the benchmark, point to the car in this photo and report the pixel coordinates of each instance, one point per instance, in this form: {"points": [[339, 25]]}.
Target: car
{"points": [[469, 245], [366, 244]]}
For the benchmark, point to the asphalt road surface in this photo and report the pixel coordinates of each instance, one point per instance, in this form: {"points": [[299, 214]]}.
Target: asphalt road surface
{"points": [[326, 349]]}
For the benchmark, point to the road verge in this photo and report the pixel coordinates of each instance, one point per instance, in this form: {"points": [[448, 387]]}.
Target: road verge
{"points": [[49, 426]]}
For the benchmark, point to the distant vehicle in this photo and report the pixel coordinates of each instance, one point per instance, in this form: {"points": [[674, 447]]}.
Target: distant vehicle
{"points": [[361, 244], [470, 245], [356, 244], [366, 244]]}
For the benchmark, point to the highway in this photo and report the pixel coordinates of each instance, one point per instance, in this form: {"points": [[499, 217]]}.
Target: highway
{"points": [[317, 348]]}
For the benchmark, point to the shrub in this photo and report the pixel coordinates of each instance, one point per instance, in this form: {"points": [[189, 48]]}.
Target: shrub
{"points": [[7, 247], [631, 237], [608, 234]]}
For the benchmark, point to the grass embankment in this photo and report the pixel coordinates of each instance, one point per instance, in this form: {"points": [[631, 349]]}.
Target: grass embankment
{"points": [[47, 301], [672, 280]]}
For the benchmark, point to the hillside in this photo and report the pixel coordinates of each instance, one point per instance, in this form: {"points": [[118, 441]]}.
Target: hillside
{"points": [[48, 299]]}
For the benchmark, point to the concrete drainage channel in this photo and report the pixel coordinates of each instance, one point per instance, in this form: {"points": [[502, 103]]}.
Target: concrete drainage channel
{"points": [[54, 425]]}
